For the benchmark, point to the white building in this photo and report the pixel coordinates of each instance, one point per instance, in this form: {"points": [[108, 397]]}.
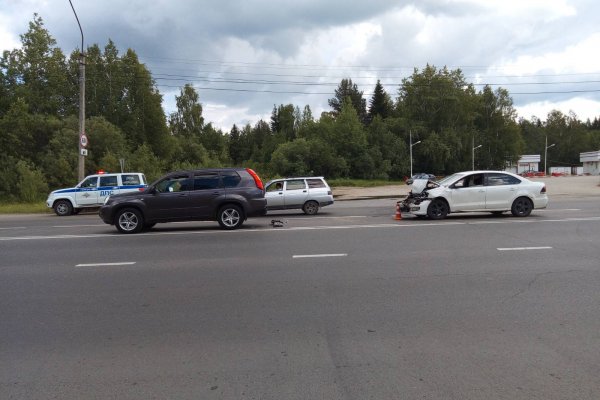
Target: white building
{"points": [[591, 162], [528, 162]]}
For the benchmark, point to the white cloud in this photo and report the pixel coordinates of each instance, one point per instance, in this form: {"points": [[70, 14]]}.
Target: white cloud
{"points": [[581, 57], [223, 116], [583, 108], [547, 9], [8, 40]]}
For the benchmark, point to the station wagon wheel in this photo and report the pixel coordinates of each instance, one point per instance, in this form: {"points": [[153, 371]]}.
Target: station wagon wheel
{"points": [[310, 207], [129, 220], [521, 207], [438, 209], [230, 217], [63, 208]]}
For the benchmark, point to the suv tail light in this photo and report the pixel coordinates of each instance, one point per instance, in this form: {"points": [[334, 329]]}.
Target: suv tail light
{"points": [[543, 189], [256, 178]]}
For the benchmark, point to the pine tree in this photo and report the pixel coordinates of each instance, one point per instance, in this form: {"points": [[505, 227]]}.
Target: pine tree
{"points": [[349, 90], [380, 104]]}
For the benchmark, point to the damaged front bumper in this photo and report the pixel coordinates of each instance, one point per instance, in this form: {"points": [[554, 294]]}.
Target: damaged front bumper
{"points": [[415, 204], [418, 199]]}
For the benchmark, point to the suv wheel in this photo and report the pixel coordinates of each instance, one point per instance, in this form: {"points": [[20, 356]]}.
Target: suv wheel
{"points": [[63, 208], [129, 220], [230, 217], [310, 208]]}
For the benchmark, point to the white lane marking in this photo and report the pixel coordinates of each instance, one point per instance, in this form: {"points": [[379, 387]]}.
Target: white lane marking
{"points": [[291, 216], [319, 255], [279, 230], [13, 227], [106, 264], [557, 209], [75, 226], [524, 248]]}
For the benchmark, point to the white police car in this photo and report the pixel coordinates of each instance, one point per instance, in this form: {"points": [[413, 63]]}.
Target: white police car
{"points": [[93, 190]]}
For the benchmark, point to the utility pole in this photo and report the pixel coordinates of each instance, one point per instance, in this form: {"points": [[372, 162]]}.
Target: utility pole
{"points": [[83, 141]]}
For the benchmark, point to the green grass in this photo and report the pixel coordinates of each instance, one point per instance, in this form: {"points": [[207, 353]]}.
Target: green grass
{"points": [[24, 208], [362, 182]]}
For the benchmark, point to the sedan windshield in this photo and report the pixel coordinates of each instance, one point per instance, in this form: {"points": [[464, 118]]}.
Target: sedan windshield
{"points": [[451, 178]]}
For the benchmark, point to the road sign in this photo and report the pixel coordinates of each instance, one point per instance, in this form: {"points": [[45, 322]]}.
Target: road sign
{"points": [[83, 140]]}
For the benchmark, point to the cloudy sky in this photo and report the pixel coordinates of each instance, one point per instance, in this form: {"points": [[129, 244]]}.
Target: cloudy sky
{"points": [[245, 56]]}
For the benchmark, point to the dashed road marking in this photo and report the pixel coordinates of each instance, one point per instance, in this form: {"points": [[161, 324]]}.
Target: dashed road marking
{"points": [[113, 264], [320, 255], [524, 248]]}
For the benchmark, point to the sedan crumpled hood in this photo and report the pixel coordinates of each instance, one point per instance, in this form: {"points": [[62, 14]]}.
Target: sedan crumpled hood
{"points": [[419, 185]]}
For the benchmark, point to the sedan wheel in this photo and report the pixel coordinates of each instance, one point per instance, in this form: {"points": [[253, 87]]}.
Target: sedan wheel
{"points": [[438, 209], [129, 220], [521, 207], [230, 217]]}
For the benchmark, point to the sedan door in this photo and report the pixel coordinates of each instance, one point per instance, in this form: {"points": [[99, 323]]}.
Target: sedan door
{"points": [[468, 193], [502, 189]]}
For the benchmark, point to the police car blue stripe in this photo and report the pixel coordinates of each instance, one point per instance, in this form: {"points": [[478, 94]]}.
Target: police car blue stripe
{"points": [[71, 190]]}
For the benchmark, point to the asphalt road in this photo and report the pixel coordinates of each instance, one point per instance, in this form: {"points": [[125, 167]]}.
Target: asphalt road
{"points": [[349, 304]]}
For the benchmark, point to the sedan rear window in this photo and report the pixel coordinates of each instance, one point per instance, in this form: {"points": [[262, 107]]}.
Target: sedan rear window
{"points": [[496, 179]]}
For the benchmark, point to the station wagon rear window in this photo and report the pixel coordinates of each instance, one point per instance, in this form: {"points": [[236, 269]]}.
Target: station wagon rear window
{"points": [[315, 183]]}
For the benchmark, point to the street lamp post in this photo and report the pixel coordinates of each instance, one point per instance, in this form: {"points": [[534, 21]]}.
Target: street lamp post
{"points": [[411, 144], [546, 155], [82, 137], [473, 154]]}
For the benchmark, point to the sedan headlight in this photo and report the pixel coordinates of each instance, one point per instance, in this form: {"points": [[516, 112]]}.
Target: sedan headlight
{"points": [[106, 200]]}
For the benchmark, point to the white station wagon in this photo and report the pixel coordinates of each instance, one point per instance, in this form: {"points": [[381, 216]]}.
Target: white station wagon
{"points": [[475, 191], [306, 193]]}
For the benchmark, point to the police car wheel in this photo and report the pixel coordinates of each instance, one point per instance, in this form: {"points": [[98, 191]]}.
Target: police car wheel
{"points": [[63, 208], [129, 220]]}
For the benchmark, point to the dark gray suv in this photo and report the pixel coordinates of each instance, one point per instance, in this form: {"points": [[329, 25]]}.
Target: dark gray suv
{"points": [[227, 195]]}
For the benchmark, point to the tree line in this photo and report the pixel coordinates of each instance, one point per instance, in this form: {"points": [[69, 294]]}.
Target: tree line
{"points": [[39, 106]]}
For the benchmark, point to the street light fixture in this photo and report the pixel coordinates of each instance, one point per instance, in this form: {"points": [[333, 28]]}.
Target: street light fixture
{"points": [[411, 146], [546, 155], [82, 137]]}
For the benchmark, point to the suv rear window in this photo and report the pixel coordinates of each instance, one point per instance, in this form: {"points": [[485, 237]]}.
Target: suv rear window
{"points": [[315, 183], [206, 181], [230, 179], [130, 180], [108, 181]]}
